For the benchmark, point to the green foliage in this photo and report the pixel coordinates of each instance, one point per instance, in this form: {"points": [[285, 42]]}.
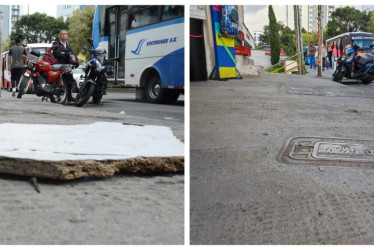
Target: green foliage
{"points": [[5, 45], [371, 22], [288, 41], [38, 28], [310, 37], [264, 38], [347, 19], [80, 27], [274, 38], [259, 45]]}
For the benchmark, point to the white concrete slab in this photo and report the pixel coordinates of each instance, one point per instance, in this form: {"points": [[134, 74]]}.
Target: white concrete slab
{"points": [[97, 141]]}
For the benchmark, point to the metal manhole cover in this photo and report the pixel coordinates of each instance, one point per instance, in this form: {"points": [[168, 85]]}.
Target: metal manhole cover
{"points": [[328, 151]]}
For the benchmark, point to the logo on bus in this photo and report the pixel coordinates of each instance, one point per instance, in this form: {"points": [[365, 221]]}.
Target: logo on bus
{"points": [[152, 43], [139, 48]]}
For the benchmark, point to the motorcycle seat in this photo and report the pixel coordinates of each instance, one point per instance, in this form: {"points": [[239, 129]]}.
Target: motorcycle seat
{"points": [[60, 67], [364, 59]]}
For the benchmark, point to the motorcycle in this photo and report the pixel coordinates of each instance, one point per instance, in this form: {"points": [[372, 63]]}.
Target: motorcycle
{"points": [[95, 77], [351, 65], [48, 81]]}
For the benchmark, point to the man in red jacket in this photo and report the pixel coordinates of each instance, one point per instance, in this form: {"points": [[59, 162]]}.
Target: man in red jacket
{"points": [[312, 52]]}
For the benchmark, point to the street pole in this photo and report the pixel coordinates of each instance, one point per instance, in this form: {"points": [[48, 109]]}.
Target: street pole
{"points": [[319, 41], [299, 40]]}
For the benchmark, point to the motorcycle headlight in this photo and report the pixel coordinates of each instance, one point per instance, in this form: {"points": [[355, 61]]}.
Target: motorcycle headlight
{"points": [[99, 66]]}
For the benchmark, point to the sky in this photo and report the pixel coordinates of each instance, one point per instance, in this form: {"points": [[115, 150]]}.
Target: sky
{"points": [[49, 9]]}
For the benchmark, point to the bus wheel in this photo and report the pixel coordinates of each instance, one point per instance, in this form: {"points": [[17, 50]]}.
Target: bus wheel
{"points": [[153, 90]]}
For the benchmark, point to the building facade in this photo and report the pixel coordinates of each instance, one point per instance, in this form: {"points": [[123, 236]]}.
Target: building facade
{"points": [[66, 11], [10, 13], [213, 55], [257, 35]]}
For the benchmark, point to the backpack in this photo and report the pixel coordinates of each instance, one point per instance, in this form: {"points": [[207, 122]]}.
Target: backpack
{"points": [[49, 57]]}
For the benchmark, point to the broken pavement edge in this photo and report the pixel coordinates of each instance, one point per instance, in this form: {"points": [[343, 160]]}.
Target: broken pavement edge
{"points": [[75, 169]]}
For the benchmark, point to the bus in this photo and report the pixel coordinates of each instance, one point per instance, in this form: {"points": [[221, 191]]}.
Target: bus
{"points": [[5, 76], [149, 42], [364, 40]]}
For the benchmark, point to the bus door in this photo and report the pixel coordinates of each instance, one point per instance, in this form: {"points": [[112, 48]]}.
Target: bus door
{"points": [[117, 17]]}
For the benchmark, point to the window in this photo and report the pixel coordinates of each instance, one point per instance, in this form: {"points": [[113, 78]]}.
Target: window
{"points": [[144, 17], [172, 11]]}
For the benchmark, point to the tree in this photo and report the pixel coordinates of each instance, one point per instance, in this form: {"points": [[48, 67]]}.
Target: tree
{"points": [[38, 28], [347, 19], [288, 41], [371, 22], [6, 44], [264, 38], [310, 37], [273, 37], [80, 27]]}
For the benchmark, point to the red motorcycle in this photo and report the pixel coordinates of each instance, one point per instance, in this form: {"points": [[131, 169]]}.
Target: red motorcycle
{"points": [[48, 81]]}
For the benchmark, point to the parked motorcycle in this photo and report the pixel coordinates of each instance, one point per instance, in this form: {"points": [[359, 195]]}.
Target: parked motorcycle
{"points": [[48, 81], [95, 78], [354, 66]]}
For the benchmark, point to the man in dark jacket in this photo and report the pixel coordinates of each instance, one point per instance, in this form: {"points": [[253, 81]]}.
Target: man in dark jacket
{"points": [[63, 51]]}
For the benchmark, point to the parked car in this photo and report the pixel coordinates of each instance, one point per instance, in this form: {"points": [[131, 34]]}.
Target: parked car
{"points": [[268, 51], [78, 75]]}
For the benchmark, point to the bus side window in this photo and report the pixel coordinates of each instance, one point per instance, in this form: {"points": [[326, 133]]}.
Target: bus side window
{"points": [[144, 17], [172, 11]]}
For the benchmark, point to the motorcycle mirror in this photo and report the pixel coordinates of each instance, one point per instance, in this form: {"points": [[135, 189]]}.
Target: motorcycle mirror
{"points": [[90, 41]]}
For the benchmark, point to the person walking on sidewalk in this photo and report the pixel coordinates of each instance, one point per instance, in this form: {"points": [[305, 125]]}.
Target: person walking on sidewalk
{"points": [[312, 52], [335, 53], [16, 63], [325, 58]]}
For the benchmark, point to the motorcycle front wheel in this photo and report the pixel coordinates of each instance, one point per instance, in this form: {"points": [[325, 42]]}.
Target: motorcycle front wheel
{"points": [[100, 90], [85, 92], [338, 76], [23, 85]]}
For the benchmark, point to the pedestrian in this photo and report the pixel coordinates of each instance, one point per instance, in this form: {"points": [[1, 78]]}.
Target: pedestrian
{"points": [[325, 59], [348, 47], [335, 53], [16, 63], [329, 54], [64, 54], [312, 52]]}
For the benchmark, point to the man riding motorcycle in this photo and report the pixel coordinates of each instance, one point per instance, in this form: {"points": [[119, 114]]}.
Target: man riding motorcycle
{"points": [[64, 54]]}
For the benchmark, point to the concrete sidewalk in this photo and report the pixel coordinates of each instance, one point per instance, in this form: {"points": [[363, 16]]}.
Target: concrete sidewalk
{"points": [[241, 193]]}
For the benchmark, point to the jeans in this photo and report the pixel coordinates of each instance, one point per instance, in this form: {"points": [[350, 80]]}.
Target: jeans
{"points": [[333, 59], [312, 62]]}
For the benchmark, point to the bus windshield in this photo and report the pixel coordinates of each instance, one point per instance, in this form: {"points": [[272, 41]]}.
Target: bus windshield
{"points": [[364, 43]]}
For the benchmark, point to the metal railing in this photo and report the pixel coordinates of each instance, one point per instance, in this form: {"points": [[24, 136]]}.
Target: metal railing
{"points": [[295, 59]]}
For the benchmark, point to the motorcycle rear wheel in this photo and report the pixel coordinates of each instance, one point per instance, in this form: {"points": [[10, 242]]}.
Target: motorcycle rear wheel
{"points": [[366, 81], [60, 96], [85, 92]]}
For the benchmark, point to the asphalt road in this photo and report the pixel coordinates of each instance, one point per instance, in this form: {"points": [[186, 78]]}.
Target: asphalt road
{"points": [[240, 190], [123, 209], [125, 103]]}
